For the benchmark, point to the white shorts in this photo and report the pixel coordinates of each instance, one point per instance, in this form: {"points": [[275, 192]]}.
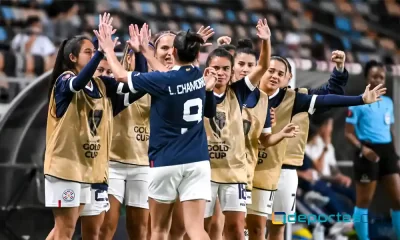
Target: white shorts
{"points": [[99, 203], [285, 196], [129, 183], [261, 203], [232, 197], [62, 193], [190, 181], [248, 197]]}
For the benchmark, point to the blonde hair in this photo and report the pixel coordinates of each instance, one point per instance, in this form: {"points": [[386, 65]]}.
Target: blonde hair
{"points": [[124, 60]]}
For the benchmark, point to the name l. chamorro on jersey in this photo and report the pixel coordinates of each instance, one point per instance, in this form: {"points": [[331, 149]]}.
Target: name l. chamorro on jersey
{"points": [[187, 87]]}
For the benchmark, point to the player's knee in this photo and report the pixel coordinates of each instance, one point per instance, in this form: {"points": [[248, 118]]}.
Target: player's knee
{"points": [[65, 231], [276, 229], [137, 230], [234, 228], [177, 230]]}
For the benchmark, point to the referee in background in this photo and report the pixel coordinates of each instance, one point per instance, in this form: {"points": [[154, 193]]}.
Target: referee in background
{"points": [[368, 128]]}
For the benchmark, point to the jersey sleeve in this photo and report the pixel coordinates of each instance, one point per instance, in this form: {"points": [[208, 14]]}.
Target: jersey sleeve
{"points": [[352, 115], [336, 84], [304, 103], [242, 89], [308, 103], [210, 107], [121, 101], [112, 86], [152, 83], [81, 80], [140, 63], [267, 125], [63, 93]]}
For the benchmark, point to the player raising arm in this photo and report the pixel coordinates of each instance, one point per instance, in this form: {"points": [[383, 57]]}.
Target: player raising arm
{"points": [[178, 143]]}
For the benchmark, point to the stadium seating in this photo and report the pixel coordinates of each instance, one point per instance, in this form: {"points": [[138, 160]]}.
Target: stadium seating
{"points": [[365, 29]]}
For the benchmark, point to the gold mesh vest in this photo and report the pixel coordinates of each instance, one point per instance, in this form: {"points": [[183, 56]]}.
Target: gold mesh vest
{"points": [[78, 144], [226, 142], [295, 148], [253, 124], [270, 159], [131, 131]]}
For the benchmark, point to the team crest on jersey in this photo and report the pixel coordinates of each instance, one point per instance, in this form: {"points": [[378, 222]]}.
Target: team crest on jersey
{"points": [[218, 123], [68, 195], [94, 119], [246, 126]]}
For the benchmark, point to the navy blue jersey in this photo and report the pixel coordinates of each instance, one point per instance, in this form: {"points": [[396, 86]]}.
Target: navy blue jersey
{"points": [[308, 103], [176, 114], [336, 84], [242, 88], [66, 87], [252, 101]]}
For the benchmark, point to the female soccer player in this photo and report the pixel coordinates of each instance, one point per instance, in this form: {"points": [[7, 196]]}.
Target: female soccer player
{"points": [[129, 163], [287, 184], [287, 103], [226, 138], [78, 100], [163, 47], [92, 214], [369, 129], [178, 143]]}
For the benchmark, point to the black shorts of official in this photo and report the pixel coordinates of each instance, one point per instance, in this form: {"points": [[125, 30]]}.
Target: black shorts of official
{"points": [[366, 171]]}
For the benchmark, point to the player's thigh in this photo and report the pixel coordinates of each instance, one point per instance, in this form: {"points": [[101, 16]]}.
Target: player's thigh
{"points": [[262, 202], [99, 203], [91, 225], [137, 193], [285, 195], [232, 197], [60, 193], [162, 190], [210, 205], [116, 181], [196, 182]]}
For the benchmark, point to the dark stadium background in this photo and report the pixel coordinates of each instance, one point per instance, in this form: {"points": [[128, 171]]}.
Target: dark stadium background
{"points": [[304, 30]]}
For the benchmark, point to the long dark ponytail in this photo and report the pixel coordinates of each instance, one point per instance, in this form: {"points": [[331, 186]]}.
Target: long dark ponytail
{"points": [[63, 62]]}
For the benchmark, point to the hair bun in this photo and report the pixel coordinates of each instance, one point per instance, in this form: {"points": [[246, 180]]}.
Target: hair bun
{"points": [[245, 43], [194, 37]]}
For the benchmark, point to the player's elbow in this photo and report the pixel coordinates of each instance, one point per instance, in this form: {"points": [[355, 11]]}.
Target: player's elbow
{"points": [[264, 140]]}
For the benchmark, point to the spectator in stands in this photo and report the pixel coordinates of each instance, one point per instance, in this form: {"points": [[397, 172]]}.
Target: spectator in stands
{"points": [[31, 39], [322, 153]]}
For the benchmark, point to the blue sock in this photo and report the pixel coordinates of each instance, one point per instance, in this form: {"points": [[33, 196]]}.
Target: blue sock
{"points": [[396, 222], [361, 225]]}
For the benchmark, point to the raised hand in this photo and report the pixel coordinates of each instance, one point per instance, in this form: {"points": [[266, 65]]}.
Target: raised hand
{"points": [[134, 38], [104, 37], [144, 38], [210, 77], [338, 57], [263, 30], [224, 40], [290, 131], [206, 33], [104, 31], [371, 96]]}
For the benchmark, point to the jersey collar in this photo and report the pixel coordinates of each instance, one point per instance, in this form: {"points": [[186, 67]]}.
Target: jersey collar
{"points": [[273, 95], [177, 67]]}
